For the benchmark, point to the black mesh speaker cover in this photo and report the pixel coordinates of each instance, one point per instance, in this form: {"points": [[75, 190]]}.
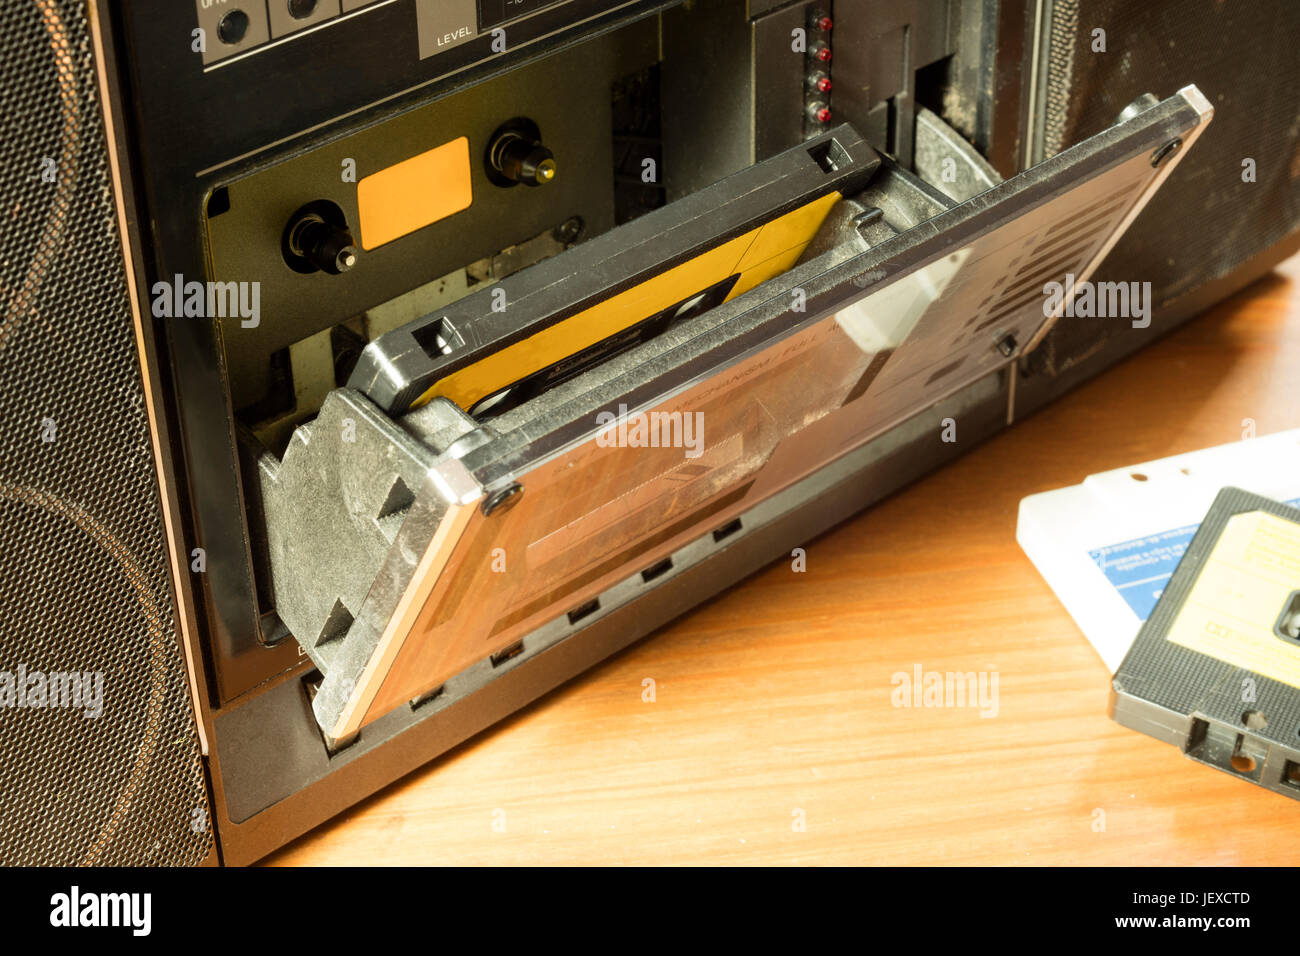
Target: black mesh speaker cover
{"points": [[1205, 220], [83, 564]]}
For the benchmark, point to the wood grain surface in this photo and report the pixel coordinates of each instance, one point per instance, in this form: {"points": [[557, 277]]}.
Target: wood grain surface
{"points": [[772, 703]]}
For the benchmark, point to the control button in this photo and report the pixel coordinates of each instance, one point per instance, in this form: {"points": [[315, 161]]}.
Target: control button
{"points": [[820, 52], [822, 22], [288, 16], [233, 27]]}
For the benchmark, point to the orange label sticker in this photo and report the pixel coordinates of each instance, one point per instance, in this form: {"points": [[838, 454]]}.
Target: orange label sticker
{"points": [[415, 193]]}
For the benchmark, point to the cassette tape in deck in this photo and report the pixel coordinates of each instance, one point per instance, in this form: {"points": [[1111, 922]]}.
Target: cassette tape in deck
{"points": [[493, 480]]}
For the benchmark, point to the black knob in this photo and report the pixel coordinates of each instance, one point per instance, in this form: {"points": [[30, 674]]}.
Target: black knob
{"points": [[233, 27], [326, 246], [520, 158]]}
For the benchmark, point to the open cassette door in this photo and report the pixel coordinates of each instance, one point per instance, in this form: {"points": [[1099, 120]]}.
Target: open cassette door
{"points": [[416, 548]]}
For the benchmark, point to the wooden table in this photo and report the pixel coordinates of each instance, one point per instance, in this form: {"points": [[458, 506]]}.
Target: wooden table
{"points": [[772, 737]]}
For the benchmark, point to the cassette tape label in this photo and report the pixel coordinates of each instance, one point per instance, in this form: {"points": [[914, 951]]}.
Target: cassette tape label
{"points": [[753, 257], [1239, 595]]}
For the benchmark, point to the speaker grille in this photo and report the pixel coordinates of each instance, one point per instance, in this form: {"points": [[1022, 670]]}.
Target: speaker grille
{"points": [[1205, 220], [83, 566]]}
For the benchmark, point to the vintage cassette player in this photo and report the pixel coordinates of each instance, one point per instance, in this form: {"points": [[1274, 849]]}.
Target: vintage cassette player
{"points": [[414, 356]]}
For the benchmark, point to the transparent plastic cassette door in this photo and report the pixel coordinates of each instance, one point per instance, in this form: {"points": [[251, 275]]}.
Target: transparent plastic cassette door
{"points": [[554, 515]]}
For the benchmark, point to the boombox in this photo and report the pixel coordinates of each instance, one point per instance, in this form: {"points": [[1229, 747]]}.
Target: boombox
{"points": [[369, 368]]}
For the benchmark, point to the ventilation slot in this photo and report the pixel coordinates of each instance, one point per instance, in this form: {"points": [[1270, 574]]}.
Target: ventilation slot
{"points": [[1063, 250], [657, 570], [727, 530], [1026, 288], [501, 656], [586, 610]]}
